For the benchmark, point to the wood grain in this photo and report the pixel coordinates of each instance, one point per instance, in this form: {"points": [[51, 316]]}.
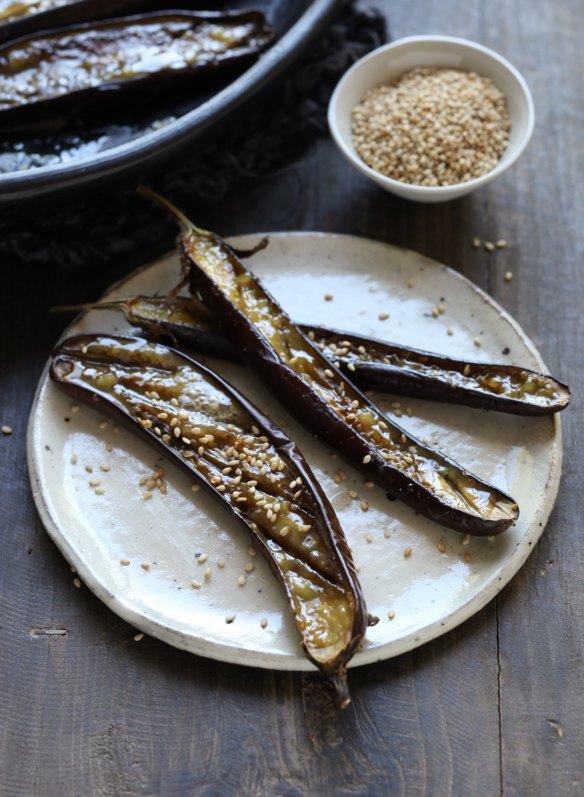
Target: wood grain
{"points": [[495, 707]]}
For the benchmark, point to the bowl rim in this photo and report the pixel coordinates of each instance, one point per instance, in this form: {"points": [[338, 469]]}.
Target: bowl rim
{"points": [[440, 190]]}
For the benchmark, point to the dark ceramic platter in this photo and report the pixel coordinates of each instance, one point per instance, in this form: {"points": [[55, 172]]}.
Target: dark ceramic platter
{"points": [[133, 147]]}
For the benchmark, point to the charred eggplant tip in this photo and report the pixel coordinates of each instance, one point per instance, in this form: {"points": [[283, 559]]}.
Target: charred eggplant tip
{"points": [[341, 687], [62, 367]]}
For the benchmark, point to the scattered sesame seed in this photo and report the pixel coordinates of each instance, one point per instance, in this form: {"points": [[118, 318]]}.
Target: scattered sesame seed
{"points": [[391, 614], [89, 469], [466, 539], [386, 533], [501, 243], [251, 551], [467, 556], [202, 558], [146, 495], [369, 538], [476, 242], [73, 459], [508, 276], [383, 316], [124, 562], [367, 459], [250, 567], [441, 547], [221, 563], [105, 467], [328, 297], [138, 637], [77, 583], [115, 430], [350, 366], [241, 581], [411, 283], [489, 246], [195, 487], [477, 342], [94, 482], [264, 622], [7, 430], [103, 424], [230, 618], [450, 331], [364, 506], [109, 447], [353, 494], [407, 552], [99, 491], [466, 370], [207, 574], [145, 566]]}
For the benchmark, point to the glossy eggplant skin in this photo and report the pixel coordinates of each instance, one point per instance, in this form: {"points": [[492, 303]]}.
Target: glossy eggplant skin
{"points": [[33, 16], [378, 365], [155, 390], [316, 392], [95, 67]]}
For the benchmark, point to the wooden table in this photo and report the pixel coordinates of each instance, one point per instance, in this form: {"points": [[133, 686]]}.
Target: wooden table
{"points": [[494, 707]]}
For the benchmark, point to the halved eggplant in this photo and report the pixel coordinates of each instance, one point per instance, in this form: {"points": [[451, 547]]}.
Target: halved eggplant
{"points": [[89, 67], [318, 393], [246, 462], [378, 365]]}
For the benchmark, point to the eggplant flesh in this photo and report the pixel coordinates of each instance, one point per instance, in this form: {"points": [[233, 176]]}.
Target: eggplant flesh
{"points": [[24, 17], [246, 462], [375, 364], [318, 393], [63, 71]]}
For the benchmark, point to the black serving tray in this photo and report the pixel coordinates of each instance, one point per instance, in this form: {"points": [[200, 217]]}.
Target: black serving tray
{"points": [[34, 167]]}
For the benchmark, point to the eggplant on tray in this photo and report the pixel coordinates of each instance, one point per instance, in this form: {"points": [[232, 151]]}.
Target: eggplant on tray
{"points": [[91, 67], [319, 394], [247, 463], [367, 362]]}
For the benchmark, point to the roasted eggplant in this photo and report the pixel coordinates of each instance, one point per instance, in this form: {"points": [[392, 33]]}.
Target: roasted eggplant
{"points": [[246, 462], [87, 68], [23, 17], [377, 365], [318, 393]]}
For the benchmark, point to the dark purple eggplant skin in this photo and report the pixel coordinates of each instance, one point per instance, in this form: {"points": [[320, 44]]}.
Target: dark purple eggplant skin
{"points": [[115, 95], [79, 11], [385, 377], [316, 413], [71, 350], [371, 373]]}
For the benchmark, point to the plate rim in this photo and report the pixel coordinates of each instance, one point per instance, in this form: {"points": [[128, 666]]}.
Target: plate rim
{"points": [[232, 654]]}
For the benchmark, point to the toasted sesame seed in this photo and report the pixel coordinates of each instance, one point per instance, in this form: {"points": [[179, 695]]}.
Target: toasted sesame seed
{"points": [[329, 373], [369, 538], [263, 622], [353, 494], [450, 331], [489, 246], [99, 491], [251, 551], [391, 614], [73, 459], [250, 567], [195, 584], [221, 563], [89, 469], [103, 424], [177, 431], [77, 583], [74, 407], [350, 366], [145, 565], [328, 297], [467, 556], [407, 552], [477, 342], [124, 562], [383, 316], [441, 547], [241, 581], [508, 276], [255, 430], [109, 447], [386, 533], [367, 459], [105, 467], [411, 283], [476, 242], [501, 243], [284, 531], [146, 495], [466, 370], [6, 430], [230, 618], [466, 539], [202, 558], [369, 484], [364, 506], [207, 574], [138, 637], [94, 482]]}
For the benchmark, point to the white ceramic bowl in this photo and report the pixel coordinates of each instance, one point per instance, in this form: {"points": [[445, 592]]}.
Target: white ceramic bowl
{"points": [[389, 62]]}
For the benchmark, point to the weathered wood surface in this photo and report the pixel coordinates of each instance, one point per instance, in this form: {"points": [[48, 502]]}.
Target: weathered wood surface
{"points": [[494, 708]]}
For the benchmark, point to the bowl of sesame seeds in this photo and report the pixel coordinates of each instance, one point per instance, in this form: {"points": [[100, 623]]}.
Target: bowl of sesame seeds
{"points": [[431, 118]]}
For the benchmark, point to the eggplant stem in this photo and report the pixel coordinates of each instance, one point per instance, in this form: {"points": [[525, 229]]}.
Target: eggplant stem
{"points": [[184, 222], [77, 308]]}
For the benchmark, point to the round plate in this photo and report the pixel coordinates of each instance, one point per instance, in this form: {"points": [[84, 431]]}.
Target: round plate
{"points": [[426, 593]]}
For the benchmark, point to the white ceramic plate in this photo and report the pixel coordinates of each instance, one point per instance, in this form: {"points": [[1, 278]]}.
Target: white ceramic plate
{"points": [[430, 592]]}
